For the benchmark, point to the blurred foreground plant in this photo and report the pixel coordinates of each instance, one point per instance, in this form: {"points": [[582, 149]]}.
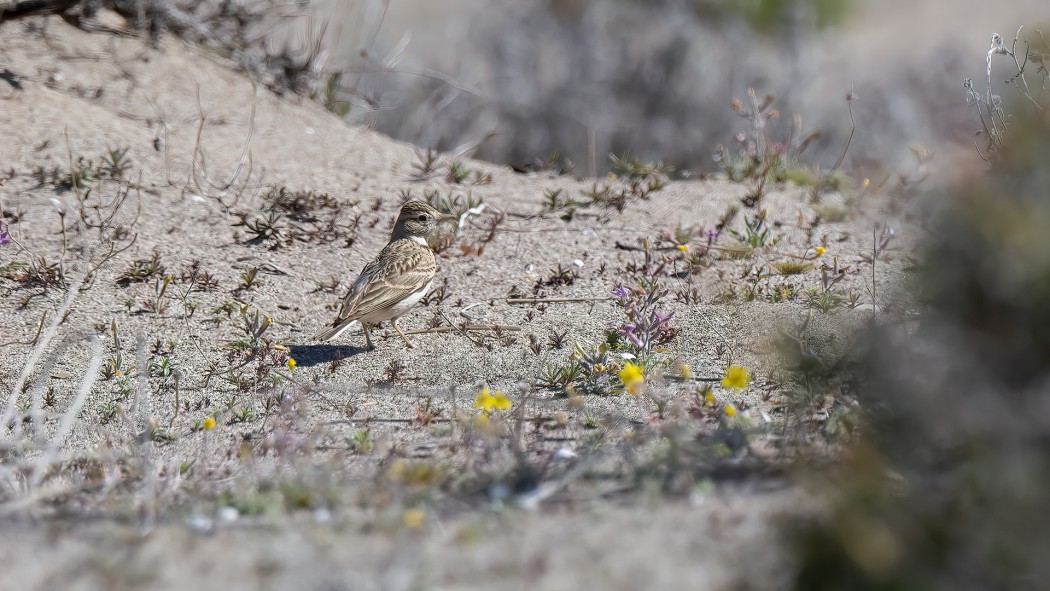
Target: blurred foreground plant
{"points": [[945, 489]]}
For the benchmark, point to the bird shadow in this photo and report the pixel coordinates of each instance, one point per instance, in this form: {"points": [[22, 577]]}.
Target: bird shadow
{"points": [[311, 355]]}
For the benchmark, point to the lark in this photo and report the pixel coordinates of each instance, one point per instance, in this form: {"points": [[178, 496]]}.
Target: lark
{"points": [[396, 279]]}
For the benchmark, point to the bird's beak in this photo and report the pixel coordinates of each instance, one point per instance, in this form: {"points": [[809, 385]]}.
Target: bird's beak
{"points": [[448, 218]]}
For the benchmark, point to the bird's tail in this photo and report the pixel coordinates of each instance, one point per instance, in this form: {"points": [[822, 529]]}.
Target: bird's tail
{"points": [[333, 331]]}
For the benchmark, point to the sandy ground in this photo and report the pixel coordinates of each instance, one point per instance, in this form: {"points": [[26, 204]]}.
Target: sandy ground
{"points": [[79, 94], [659, 546]]}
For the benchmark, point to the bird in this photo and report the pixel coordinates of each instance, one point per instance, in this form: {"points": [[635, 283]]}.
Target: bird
{"points": [[396, 280]]}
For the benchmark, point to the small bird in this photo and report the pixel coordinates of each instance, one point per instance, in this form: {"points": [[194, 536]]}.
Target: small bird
{"points": [[395, 281]]}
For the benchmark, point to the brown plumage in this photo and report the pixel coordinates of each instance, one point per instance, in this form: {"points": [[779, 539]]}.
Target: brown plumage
{"points": [[395, 281]]}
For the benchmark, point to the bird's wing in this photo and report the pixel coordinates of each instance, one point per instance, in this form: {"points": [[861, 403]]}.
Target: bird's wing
{"points": [[401, 269]]}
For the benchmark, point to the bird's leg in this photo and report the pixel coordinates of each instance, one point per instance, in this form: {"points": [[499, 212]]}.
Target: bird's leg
{"points": [[368, 338], [408, 343]]}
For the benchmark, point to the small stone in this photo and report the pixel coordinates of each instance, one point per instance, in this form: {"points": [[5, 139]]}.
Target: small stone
{"points": [[227, 514], [564, 453], [199, 524], [61, 374]]}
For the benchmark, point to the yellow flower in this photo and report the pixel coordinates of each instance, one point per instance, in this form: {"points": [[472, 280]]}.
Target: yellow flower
{"points": [[500, 401], [682, 247], [291, 364], [709, 398], [632, 378], [684, 371], [820, 250], [208, 423], [736, 377], [730, 410], [413, 517], [484, 399], [490, 402], [866, 183]]}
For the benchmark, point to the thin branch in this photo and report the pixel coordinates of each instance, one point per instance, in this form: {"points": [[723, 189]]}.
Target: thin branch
{"points": [[466, 328], [39, 328], [38, 350], [460, 330], [66, 425], [554, 300], [853, 129]]}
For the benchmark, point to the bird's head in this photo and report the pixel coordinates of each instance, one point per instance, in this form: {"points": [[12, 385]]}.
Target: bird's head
{"points": [[417, 219]]}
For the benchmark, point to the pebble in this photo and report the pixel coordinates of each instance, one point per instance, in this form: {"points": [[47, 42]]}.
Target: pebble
{"points": [[564, 453], [199, 524], [227, 514]]}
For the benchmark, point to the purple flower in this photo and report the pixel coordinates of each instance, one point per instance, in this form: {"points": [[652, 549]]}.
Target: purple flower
{"points": [[5, 236], [660, 317], [711, 235], [621, 292]]}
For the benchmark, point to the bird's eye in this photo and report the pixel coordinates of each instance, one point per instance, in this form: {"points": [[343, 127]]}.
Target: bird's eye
{"points": [[422, 217]]}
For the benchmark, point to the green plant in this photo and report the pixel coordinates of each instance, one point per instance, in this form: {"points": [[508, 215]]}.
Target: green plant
{"points": [[250, 279], [653, 174], [457, 172], [605, 196], [142, 270], [163, 367], [361, 441], [107, 411], [81, 174], [454, 204], [244, 414], [157, 303], [756, 234], [426, 164], [394, 370], [267, 225], [827, 297], [253, 349], [633, 341], [559, 377], [330, 92], [791, 267], [114, 366], [557, 200], [758, 159], [116, 163], [38, 272]]}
